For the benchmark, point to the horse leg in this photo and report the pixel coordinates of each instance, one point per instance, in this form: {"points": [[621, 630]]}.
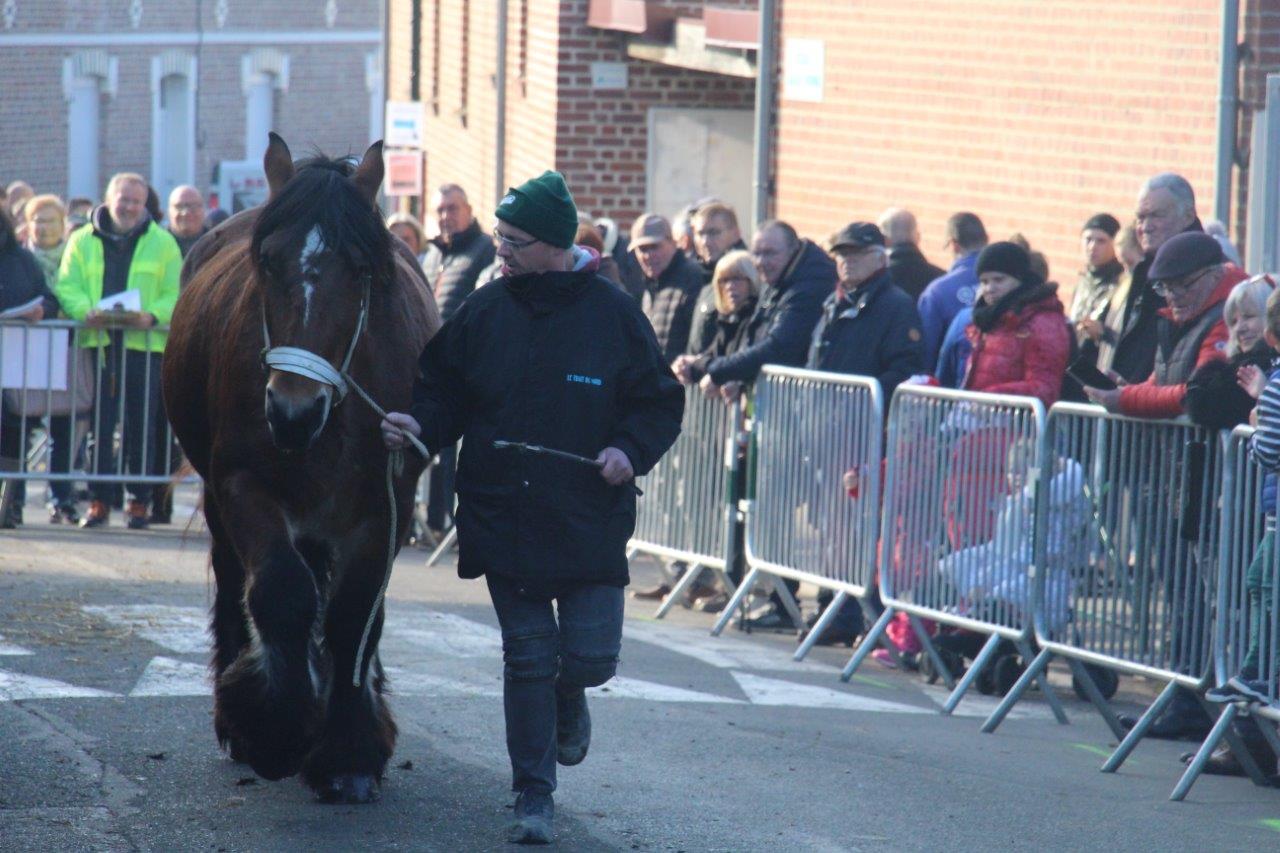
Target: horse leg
{"points": [[228, 627], [358, 734], [266, 696]]}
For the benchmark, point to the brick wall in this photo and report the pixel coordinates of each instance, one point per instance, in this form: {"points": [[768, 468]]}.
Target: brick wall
{"points": [[1033, 115], [325, 108], [554, 119]]}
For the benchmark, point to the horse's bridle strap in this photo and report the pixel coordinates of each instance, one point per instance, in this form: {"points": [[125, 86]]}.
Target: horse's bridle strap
{"points": [[306, 363]]}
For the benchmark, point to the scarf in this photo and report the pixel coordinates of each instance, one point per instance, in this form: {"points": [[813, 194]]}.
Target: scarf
{"points": [[985, 316]]}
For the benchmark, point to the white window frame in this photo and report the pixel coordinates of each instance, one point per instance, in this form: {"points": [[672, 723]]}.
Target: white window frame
{"points": [[173, 64], [86, 76]]}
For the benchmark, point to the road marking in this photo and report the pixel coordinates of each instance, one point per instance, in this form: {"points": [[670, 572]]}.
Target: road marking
{"points": [[720, 652], [975, 704], [16, 687], [1096, 750], [11, 649], [633, 688], [773, 691], [1270, 823], [168, 677], [179, 629]]}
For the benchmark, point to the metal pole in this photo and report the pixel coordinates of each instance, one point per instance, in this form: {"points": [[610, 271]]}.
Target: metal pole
{"points": [[500, 107], [1228, 101], [766, 65]]}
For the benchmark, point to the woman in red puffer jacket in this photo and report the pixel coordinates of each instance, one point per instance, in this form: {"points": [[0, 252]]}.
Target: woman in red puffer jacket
{"points": [[1019, 332]]}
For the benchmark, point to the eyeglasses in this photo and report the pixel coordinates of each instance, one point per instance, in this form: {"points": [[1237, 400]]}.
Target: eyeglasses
{"points": [[187, 207], [1167, 289], [510, 243]]}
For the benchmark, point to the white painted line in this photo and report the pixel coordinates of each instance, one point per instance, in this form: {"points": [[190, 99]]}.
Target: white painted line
{"points": [[974, 704], [11, 650], [168, 677], [16, 687], [406, 682], [442, 633], [772, 691], [179, 629], [633, 688], [720, 652]]}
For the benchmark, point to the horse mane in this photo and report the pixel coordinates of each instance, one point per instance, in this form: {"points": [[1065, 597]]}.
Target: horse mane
{"points": [[320, 193]]}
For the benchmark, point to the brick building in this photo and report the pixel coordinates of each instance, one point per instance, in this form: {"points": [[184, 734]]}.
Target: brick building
{"points": [[1033, 114], [172, 88]]}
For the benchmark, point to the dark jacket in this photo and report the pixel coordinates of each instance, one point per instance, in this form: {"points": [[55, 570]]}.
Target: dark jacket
{"points": [[21, 281], [1135, 352], [669, 303], [910, 269], [780, 330], [1214, 398], [452, 268], [185, 243], [874, 331], [942, 301], [566, 361], [703, 330]]}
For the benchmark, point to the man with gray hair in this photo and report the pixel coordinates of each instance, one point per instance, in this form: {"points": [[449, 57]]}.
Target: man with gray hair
{"points": [[909, 267], [186, 216], [1166, 207]]}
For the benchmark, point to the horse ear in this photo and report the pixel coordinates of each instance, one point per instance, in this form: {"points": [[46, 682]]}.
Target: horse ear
{"points": [[277, 163], [368, 175]]}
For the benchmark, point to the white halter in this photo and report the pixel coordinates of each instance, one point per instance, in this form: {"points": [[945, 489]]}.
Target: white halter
{"points": [[303, 362]]}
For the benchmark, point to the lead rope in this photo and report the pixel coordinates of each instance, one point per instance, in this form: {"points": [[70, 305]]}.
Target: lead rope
{"points": [[305, 363]]}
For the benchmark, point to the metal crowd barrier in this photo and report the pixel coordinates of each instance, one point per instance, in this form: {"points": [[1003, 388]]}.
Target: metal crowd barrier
{"points": [[93, 414], [961, 487], [1141, 598], [1248, 606], [689, 509], [810, 429]]}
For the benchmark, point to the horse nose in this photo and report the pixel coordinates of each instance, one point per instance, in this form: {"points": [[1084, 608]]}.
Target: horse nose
{"points": [[296, 420]]}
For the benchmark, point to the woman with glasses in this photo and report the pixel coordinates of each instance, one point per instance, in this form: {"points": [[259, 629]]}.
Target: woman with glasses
{"points": [[737, 289]]}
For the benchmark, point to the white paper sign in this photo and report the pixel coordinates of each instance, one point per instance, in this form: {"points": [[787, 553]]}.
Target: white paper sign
{"points": [[803, 68], [128, 300], [32, 357], [404, 124]]}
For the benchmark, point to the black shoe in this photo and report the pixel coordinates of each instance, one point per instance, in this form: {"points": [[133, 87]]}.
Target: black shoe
{"points": [[573, 727], [656, 593], [13, 518], [67, 512], [136, 513], [535, 814], [774, 620]]}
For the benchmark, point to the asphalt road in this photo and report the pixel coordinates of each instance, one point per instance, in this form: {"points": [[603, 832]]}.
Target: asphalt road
{"points": [[106, 740]]}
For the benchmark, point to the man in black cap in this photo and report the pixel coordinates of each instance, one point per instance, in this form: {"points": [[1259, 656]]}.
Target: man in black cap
{"points": [[1193, 276], [869, 327], [550, 354]]}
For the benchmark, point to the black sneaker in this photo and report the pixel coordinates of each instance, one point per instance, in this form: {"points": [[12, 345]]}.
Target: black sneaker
{"points": [[67, 512], [774, 620], [573, 727], [535, 813]]}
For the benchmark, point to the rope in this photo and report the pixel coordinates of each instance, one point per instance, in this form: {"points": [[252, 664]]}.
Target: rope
{"points": [[395, 465]]}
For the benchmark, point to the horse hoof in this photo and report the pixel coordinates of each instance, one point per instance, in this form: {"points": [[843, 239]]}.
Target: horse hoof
{"points": [[349, 789]]}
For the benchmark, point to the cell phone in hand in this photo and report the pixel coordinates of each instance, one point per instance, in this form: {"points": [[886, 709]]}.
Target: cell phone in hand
{"points": [[1088, 375]]}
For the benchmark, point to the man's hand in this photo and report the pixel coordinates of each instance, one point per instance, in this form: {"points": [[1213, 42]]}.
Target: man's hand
{"points": [[730, 391], [1109, 400], [142, 320], [680, 367], [35, 315], [1252, 380], [1090, 327], [392, 437], [709, 389], [95, 319], [615, 466]]}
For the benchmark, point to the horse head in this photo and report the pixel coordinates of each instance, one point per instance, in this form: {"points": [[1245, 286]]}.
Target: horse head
{"points": [[320, 249]]}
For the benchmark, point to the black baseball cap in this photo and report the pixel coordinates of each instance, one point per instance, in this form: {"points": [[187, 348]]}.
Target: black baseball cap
{"points": [[1184, 254], [856, 235]]}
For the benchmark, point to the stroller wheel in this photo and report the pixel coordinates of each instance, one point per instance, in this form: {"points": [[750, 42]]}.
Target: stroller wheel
{"points": [[953, 662], [1107, 680]]}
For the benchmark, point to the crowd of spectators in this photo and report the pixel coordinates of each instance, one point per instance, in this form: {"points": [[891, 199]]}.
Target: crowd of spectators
{"points": [[66, 260]]}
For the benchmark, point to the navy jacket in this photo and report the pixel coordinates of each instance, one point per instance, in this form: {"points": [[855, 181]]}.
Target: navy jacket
{"points": [[566, 361], [943, 299], [780, 330], [874, 331]]}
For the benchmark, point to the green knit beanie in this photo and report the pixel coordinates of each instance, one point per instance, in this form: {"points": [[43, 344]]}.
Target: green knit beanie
{"points": [[543, 207]]}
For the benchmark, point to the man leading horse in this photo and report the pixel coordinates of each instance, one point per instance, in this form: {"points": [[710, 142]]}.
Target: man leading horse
{"points": [[554, 355]]}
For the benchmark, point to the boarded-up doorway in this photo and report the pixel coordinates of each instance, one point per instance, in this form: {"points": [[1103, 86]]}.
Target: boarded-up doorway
{"points": [[695, 153]]}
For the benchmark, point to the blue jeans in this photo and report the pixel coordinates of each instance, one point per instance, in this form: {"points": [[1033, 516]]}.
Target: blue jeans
{"points": [[544, 655]]}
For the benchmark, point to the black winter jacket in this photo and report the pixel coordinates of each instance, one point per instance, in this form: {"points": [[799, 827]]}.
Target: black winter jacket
{"points": [[669, 303], [21, 280], [703, 331], [874, 331], [910, 269], [566, 361], [452, 268], [780, 330]]}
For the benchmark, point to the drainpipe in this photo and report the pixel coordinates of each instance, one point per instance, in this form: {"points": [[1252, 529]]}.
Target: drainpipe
{"points": [[1228, 101], [500, 107], [766, 65]]}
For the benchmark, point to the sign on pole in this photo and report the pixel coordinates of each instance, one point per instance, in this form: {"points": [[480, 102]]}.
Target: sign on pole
{"points": [[404, 120], [404, 173]]}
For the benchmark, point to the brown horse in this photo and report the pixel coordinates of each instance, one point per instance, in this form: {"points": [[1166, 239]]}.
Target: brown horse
{"points": [[295, 491]]}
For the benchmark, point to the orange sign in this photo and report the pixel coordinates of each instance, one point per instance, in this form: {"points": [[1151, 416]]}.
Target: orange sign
{"points": [[404, 172]]}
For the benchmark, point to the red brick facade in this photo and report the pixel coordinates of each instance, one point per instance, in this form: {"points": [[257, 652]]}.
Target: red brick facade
{"points": [[325, 106]]}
